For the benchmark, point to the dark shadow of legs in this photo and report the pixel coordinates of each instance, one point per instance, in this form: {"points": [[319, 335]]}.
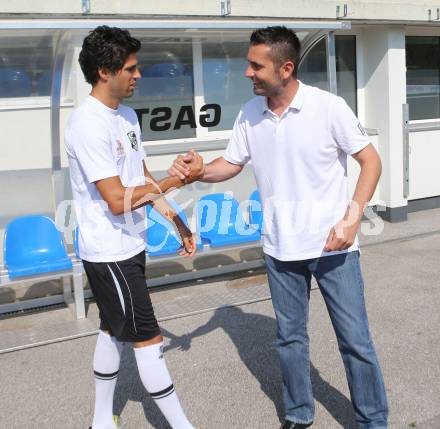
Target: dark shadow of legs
{"points": [[130, 388], [337, 404], [254, 338]]}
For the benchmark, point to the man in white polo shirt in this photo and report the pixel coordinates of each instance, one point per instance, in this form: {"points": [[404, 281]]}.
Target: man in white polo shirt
{"points": [[111, 186], [298, 138]]}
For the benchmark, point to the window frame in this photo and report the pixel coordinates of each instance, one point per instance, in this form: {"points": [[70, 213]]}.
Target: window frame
{"points": [[203, 134], [32, 101], [421, 32]]}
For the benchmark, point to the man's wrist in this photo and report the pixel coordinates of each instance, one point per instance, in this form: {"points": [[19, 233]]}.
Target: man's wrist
{"points": [[200, 176]]}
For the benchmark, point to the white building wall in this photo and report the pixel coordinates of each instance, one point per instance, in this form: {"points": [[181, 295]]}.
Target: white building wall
{"points": [[323, 9], [46, 6]]}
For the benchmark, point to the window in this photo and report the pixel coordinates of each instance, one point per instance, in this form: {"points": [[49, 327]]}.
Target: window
{"points": [[313, 70], [164, 96], [346, 69], [224, 82], [423, 77], [25, 64]]}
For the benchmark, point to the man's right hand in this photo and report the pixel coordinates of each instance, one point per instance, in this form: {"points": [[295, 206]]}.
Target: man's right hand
{"points": [[188, 167]]}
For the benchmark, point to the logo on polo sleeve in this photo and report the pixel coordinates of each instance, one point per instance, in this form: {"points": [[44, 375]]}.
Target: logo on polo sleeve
{"points": [[133, 140], [362, 129]]}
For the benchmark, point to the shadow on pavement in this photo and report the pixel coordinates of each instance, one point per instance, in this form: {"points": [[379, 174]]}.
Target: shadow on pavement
{"points": [[258, 354]]}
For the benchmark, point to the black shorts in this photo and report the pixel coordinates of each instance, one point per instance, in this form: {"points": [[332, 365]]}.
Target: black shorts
{"points": [[121, 292]]}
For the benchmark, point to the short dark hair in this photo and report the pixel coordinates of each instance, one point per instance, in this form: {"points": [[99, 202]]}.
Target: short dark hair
{"points": [[106, 47], [283, 41]]}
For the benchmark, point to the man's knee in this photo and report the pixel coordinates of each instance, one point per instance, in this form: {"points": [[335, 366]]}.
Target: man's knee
{"points": [[155, 340]]}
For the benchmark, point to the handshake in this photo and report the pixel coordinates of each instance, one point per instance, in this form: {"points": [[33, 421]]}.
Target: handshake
{"points": [[188, 168]]}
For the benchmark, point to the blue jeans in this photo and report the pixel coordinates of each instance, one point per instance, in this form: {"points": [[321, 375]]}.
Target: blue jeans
{"points": [[340, 281]]}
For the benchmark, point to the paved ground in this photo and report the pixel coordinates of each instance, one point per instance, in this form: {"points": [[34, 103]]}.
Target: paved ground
{"points": [[225, 367]]}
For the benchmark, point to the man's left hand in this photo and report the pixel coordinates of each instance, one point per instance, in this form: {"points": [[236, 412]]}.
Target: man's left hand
{"points": [[188, 245], [341, 236]]}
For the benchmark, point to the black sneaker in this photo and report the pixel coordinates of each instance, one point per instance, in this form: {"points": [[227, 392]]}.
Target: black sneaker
{"points": [[291, 425]]}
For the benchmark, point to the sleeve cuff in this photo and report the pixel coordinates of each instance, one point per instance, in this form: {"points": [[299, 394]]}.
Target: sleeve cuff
{"points": [[102, 175], [359, 147], [233, 161]]}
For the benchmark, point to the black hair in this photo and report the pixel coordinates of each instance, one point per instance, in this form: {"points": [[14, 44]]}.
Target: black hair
{"points": [[106, 47], [283, 41]]}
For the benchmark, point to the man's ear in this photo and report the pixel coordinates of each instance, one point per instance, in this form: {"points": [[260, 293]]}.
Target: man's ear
{"points": [[287, 69]]}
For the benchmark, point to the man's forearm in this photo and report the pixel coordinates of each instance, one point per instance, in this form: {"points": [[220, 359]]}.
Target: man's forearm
{"points": [[365, 187], [219, 170], [164, 208], [135, 197]]}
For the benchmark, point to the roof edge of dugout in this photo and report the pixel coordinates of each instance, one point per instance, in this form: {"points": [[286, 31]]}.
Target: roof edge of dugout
{"points": [[181, 24]]}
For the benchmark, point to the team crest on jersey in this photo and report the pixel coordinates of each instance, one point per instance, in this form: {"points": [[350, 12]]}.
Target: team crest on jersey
{"points": [[133, 140]]}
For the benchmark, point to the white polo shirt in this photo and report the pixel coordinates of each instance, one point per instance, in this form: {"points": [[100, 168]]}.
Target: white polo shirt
{"points": [[300, 166], [102, 142]]}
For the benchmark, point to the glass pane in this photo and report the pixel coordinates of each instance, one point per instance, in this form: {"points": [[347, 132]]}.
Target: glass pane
{"points": [[313, 69], [423, 77], [163, 98], [224, 83], [25, 64], [346, 69]]}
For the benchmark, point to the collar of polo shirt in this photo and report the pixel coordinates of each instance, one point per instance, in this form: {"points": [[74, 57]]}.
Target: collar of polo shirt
{"points": [[296, 102]]}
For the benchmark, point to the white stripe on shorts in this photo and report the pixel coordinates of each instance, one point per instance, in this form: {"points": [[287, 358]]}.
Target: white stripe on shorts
{"points": [[118, 288], [131, 298]]}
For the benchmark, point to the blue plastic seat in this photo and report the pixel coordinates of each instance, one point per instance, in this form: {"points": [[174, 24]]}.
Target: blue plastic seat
{"points": [[162, 238], [44, 83], [164, 70], [33, 245], [255, 211], [15, 83], [215, 77], [220, 221], [163, 79]]}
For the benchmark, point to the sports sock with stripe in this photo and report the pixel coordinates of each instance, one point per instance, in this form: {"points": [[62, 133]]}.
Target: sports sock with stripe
{"points": [[156, 379], [105, 366]]}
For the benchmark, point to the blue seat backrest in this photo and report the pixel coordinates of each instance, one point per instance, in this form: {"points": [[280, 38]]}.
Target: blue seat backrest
{"points": [[15, 83], [215, 76], [160, 232], [169, 70], [255, 210], [33, 241], [219, 214], [44, 83], [164, 79]]}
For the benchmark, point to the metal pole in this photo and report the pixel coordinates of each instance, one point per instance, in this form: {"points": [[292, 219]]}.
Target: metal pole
{"points": [[62, 42], [331, 63], [405, 129]]}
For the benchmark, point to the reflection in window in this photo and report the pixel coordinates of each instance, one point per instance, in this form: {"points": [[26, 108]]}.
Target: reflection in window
{"points": [[224, 82], [313, 70], [346, 69], [163, 98], [423, 77], [25, 65]]}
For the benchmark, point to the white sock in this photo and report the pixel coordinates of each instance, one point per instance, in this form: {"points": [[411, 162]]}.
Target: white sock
{"points": [[156, 379], [105, 366]]}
